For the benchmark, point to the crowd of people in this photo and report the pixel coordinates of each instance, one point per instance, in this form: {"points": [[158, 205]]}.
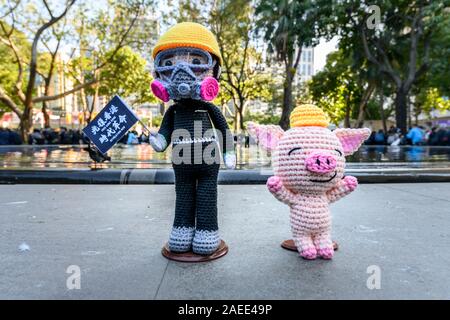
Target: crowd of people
{"points": [[416, 136], [9, 137], [61, 135]]}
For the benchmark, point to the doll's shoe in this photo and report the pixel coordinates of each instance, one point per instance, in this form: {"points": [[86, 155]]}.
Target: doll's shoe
{"points": [[309, 254], [181, 239], [205, 242], [325, 253]]}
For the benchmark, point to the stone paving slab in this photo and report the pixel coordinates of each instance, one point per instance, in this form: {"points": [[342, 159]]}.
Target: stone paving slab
{"points": [[114, 233]]}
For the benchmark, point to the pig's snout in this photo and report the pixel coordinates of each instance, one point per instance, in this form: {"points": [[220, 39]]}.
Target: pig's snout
{"points": [[320, 162]]}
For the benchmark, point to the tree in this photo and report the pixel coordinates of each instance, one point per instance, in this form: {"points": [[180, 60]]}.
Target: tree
{"points": [[399, 45], [432, 91], [242, 78], [288, 26], [26, 96], [126, 75], [336, 88], [9, 73], [47, 62], [36, 26]]}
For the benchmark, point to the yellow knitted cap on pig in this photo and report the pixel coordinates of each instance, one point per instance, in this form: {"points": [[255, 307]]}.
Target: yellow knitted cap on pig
{"points": [[308, 115]]}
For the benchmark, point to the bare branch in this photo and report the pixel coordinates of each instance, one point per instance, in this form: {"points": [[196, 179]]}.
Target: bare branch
{"points": [[414, 36], [11, 9], [122, 40], [33, 60], [244, 59], [9, 103], [297, 59], [227, 67], [10, 44], [61, 95], [48, 9], [369, 56], [424, 67]]}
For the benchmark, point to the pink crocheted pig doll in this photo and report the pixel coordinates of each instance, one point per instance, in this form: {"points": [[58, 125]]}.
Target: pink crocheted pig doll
{"points": [[309, 162]]}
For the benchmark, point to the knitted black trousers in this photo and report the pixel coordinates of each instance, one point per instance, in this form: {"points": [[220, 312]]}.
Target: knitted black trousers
{"points": [[196, 196]]}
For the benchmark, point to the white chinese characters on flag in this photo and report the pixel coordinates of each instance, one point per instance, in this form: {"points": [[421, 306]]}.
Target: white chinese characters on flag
{"points": [[110, 125]]}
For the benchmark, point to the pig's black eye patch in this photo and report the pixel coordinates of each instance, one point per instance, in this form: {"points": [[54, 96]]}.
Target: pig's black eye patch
{"points": [[292, 150]]}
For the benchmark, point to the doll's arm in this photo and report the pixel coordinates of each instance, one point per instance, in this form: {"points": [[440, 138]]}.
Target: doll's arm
{"points": [[275, 186], [227, 143], [159, 141], [344, 187]]}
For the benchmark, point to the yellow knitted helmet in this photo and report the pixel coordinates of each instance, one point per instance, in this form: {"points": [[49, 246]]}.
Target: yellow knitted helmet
{"points": [[308, 115], [188, 34]]}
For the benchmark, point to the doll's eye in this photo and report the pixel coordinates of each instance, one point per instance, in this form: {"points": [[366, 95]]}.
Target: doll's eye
{"points": [[292, 150], [168, 63], [338, 151], [196, 61]]}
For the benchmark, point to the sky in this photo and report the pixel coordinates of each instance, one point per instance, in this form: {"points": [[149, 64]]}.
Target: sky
{"points": [[321, 51]]}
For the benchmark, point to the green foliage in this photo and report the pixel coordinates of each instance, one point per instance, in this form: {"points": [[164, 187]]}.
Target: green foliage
{"points": [[410, 41], [8, 73], [438, 75], [262, 118], [435, 84], [288, 25], [431, 100], [335, 88], [126, 75], [8, 65], [156, 121], [231, 21], [91, 37]]}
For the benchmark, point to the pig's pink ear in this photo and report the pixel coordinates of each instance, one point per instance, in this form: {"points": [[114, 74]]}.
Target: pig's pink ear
{"points": [[351, 139], [267, 136]]}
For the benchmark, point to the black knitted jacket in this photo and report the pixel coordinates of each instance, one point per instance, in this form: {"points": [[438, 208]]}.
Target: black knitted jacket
{"points": [[189, 114]]}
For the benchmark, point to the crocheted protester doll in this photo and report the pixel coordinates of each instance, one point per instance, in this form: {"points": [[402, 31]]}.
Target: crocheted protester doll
{"points": [[309, 162], [187, 66]]}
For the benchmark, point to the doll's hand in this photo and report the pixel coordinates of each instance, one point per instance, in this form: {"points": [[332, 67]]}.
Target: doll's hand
{"points": [[230, 160], [157, 141], [274, 184], [350, 182]]}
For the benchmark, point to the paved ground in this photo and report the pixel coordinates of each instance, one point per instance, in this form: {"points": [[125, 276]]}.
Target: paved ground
{"points": [[115, 233]]}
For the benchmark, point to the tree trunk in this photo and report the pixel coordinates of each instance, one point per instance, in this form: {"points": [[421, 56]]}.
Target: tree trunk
{"points": [[46, 115], [347, 117], [94, 102], [241, 123], [362, 105], [401, 107], [383, 117], [26, 123], [46, 93], [287, 99], [241, 114], [238, 120], [84, 105]]}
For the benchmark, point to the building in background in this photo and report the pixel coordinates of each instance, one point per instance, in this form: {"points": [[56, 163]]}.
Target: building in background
{"points": [[305, 69], [63, 111]]}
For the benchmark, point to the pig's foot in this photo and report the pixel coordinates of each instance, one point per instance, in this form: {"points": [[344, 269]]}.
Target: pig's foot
{"points": [[324, 245], [309, 254], [305, 246], [326, 253]]}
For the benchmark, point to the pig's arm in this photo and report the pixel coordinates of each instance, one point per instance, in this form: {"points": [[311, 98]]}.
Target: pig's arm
{"points": [[279, 191], [343, 188]]}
